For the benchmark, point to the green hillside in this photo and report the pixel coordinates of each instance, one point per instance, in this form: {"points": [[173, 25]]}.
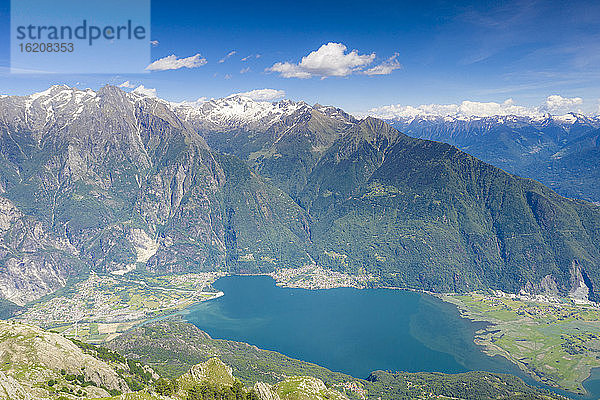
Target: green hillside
{"points": [[423, 214]]}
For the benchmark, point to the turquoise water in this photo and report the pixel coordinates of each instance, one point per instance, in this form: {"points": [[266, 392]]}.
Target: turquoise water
{"points": [[592, 384], [347, 330]]}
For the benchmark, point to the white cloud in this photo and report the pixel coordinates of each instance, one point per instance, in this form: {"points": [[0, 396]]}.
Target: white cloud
{"points": [[557, 103], [466, 108], [172, 62], [490, 108], [263, 94], [144, 91], [127, 85], [244, 70], [251, 56], [386, 67], [154, 43], [230, 54], [196, 103], [288, 70], [330, 59]]}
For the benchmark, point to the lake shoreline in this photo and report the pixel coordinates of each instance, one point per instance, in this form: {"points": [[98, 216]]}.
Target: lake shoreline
{"points": [[488, 349]]}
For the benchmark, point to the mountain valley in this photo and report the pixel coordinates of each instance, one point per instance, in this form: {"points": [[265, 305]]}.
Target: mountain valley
{"points": [[119, 207], [112, 182]]}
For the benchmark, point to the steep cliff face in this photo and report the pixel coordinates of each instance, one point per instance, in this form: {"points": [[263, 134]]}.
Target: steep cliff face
{"points": [[114, 182], [32, 357], [33, 260]]}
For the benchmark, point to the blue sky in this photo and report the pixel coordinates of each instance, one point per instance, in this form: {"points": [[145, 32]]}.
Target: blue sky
{"points": [[438, 52]]}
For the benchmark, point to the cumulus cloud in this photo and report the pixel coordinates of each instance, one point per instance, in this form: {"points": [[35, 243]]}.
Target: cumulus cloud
{"points": [[144, 91], [557, 103], [154, 43], [127, 85], [230, 54], [386, 67], [172, 62], [263, 94], [554, 104], [508, 107], [466, 108], [330, 59]]}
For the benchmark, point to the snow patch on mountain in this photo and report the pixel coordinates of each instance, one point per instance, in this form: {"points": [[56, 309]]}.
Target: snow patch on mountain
{"points": [[238, 111], [566, 121], [466, 110]]}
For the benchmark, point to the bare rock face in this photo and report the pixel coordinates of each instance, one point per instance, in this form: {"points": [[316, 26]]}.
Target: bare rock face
{"points": [[35, 356], [213, 370], [546, 287], [265, 391], [579, 290], [33, 260], [10, 388]]}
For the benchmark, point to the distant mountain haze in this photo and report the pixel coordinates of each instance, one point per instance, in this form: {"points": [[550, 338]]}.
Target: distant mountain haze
{"points": [[563, 152]]}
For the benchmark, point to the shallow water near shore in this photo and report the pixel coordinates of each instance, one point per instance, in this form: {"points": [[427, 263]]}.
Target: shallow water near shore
{"points": [[350, 330], [592, 384]]}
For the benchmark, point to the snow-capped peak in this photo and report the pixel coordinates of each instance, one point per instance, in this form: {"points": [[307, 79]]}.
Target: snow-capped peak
{"points": [[62, 104], [569, 118], [545, 119], [236, 111]]}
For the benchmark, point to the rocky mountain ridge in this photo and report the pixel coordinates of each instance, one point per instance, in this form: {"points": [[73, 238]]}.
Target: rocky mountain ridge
{"points": [[560, 151], [116, 182], [37, 364]]}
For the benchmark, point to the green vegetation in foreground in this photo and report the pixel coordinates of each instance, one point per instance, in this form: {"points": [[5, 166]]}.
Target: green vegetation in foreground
{"points": [[557, 344], [36, 364], [468, 385], [302, 387], [173, 346]]}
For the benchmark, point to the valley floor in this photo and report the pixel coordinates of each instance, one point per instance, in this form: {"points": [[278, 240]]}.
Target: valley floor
{"points": [[557, 343], [101, 307]]}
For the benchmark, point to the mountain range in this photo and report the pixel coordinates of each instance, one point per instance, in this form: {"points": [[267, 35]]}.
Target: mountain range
{"points": [[113, 182], [563, 152]]}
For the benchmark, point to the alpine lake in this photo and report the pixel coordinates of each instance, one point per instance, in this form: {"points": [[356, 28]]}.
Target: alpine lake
{"points": [[351, 330]]}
